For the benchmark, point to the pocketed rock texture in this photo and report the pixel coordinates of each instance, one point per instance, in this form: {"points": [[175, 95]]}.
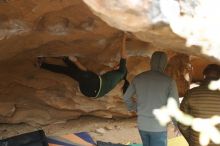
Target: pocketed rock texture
{"points": [[52, 28]]}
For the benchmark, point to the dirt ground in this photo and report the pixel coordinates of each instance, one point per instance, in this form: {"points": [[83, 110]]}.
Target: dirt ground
{"points": [[108, 130]]}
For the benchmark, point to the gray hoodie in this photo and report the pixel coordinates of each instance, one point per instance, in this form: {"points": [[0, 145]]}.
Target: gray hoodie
{"points": [[152, 89]]}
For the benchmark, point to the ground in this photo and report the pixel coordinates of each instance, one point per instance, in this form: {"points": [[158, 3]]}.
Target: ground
{"points": [[108, 130]]}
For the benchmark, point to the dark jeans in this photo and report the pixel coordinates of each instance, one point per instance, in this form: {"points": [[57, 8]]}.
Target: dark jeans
{"points": [[88, 81], [153, 138]]}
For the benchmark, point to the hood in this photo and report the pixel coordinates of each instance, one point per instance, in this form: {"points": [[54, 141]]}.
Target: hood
{"points": [[158, 61]]}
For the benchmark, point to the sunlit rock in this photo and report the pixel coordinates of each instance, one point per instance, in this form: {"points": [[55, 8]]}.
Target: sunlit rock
{"points": [[160, 21]]}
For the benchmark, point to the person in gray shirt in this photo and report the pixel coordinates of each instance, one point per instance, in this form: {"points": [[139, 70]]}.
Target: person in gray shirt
{"points": [[152, 88]]}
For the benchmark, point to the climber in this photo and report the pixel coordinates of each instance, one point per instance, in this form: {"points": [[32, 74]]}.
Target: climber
{"points": [[90, 84]]}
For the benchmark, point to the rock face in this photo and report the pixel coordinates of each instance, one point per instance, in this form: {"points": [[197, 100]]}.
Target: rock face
{"points": [[167, 20], [29, 28]]}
